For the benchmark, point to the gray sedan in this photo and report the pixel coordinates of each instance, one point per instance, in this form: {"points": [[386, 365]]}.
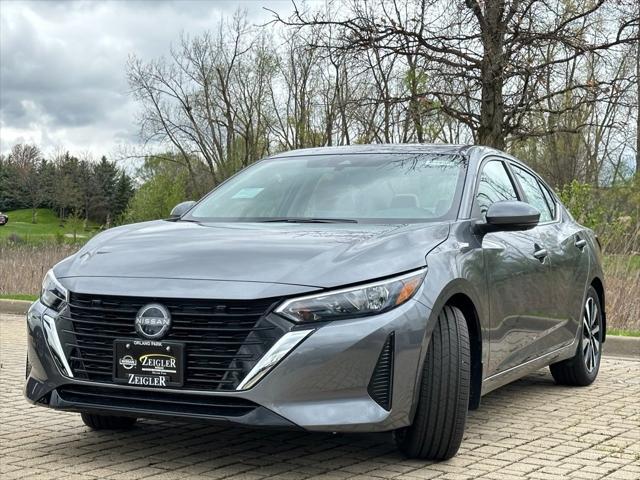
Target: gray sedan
{"points": [[349, 289]]}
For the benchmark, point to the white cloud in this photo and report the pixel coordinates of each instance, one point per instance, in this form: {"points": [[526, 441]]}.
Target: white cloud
{"points": [[62, 65]]}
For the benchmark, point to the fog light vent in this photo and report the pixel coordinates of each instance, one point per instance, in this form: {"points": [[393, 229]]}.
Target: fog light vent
{"points": [[381, 384]]}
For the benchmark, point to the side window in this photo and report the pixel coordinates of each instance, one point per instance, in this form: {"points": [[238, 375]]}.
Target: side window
{"points": [[533, 191], [550, 201], [494, 186]]}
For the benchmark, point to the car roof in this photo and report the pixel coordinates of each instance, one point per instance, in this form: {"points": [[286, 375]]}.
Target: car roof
{"points": [[378, 148], [473, 153]]}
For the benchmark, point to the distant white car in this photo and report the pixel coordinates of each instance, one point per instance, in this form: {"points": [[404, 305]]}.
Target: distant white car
{"points": [[4, 219]]}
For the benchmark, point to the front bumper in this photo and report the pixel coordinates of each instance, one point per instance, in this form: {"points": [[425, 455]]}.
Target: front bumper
{"points": [[321, 385]]}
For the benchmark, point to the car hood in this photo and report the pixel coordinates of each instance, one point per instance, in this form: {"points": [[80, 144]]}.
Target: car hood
{"points": [[314, 255]]}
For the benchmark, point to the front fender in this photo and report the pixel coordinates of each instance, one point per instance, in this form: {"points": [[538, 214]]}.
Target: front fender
{"points": [[455, 268]]}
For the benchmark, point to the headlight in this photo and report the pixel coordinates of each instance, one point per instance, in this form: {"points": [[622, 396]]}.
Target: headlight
{"points": [[360, 301], [53, 294]]}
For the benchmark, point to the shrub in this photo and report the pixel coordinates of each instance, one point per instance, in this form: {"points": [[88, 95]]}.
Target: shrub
{"points": [[612, 212], [163, 190]]}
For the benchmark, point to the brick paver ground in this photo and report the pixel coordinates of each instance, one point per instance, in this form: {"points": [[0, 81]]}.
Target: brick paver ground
{"points": [[529, 429]]}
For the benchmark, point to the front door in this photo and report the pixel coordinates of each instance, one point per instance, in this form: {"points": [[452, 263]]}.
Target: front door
{"points": [[568, 260], [516, 270]]}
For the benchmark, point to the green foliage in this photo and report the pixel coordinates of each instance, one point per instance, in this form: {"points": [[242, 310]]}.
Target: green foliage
{"points": [[612, 212], [579, 199], [123, 193], [74, 224], [164, 188]]}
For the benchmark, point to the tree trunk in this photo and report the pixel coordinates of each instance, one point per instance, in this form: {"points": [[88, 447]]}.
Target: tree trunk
{"points": [[491, 130]]}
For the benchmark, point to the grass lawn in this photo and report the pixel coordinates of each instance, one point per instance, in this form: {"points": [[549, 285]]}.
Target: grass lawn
{"points": [[18, 296], [47, 227], [623, 333]]}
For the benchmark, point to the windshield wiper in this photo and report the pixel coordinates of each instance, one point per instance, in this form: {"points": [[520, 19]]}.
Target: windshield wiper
{"points": [[308, 220]]}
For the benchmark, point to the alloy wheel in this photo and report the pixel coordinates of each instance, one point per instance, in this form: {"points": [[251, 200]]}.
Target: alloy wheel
{"points": [[591, 334]]}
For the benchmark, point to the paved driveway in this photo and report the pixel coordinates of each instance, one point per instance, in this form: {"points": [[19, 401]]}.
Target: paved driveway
{"points": [[530, 429]]}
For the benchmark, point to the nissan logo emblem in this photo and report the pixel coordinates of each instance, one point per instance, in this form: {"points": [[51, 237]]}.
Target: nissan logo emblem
{"points": [[153, 321]]}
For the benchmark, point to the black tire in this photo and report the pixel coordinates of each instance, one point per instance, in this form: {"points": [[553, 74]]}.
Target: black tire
{"points": [[107, 422], [438, 426], [576, 370]]}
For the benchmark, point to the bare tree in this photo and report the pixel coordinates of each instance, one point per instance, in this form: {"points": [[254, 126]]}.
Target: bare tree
{"points": [[487, 54], [637, 102], [292, 96], [206, 101], [554, 81]]}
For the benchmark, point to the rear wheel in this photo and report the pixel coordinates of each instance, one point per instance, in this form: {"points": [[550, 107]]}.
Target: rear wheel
{"points": [[438, 426], [107, 422], [582, 369]]}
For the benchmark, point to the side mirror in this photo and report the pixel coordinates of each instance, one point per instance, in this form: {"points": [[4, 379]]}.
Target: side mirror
{"points": [[181, 209], [509, 215]]}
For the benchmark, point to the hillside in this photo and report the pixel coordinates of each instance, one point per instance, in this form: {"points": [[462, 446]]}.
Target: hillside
{"points": [[47, 227]]}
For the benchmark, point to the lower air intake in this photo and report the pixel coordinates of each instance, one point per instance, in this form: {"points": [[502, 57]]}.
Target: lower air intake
{"points": [[381, 384], [156, 401]]}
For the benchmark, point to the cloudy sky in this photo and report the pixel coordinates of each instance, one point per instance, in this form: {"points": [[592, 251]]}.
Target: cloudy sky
{"points": [[62, 65]]}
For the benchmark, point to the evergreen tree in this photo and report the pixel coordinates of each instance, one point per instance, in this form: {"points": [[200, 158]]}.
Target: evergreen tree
{"points": [[123, 194], [105, 175]]}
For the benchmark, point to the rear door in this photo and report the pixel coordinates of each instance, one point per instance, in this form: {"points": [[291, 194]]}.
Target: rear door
{"points": [[516, 277], [568, 261]]}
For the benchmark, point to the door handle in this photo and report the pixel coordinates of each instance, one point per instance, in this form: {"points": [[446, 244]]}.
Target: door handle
{"points": [[580, 243], [540, 253]]}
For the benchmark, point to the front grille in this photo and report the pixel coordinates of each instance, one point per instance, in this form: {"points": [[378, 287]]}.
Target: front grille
{"points": [[223, 339], [157, 401]]}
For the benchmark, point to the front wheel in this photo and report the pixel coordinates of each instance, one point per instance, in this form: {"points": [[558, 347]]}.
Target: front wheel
{"points": [[582, 369], [438, 426]]}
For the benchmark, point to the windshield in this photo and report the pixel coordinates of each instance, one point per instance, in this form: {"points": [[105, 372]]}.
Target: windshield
{"points": [[387, 188]]}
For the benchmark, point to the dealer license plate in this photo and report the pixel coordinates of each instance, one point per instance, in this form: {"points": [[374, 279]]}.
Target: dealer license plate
{"points": [[147, 363]]}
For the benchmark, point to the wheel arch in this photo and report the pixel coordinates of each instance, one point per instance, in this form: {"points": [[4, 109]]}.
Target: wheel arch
{"points": [[598, 286], [468, 309]]}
